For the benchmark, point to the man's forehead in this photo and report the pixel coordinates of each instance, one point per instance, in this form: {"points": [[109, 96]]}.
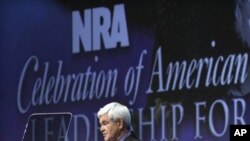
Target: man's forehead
{"points": [[104, 117]]}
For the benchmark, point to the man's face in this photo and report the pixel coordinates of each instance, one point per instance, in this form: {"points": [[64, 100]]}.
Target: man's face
{"points": [[110, 130]]}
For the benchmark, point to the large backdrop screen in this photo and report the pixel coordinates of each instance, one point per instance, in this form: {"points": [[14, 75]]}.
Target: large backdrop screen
{"points": [[181, 67]]}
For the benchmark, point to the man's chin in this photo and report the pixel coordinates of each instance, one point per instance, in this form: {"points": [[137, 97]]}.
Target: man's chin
{"points": [[106, 138]]}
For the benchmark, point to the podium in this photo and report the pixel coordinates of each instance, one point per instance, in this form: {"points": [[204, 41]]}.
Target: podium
{"points": [[47, 127]]}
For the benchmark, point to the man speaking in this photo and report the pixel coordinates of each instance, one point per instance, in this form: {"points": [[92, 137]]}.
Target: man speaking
{"points": [[115, 121]]}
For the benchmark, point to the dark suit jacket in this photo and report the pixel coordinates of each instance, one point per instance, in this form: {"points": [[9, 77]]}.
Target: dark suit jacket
{"points": [[132, 137]]}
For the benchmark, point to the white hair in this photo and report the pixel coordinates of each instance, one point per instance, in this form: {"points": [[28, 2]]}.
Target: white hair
{"points": [[116, 111]]}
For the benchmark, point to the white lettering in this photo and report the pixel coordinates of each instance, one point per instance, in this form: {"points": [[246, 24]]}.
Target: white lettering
{"points": [[52, 89], [179, 75], [97, 26]]}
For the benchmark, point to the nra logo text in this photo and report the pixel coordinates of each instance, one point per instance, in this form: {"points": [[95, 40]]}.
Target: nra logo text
{"points": [[99, 26]]}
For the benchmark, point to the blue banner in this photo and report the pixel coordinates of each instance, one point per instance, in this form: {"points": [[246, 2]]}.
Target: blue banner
{"points": [[181, 67]]}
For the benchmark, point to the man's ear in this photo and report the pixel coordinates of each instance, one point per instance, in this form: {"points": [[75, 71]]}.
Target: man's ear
{"points": [[121, 123]]}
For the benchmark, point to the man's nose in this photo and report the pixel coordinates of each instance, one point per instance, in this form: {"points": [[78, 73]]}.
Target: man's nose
{"points": [[101, 129]]}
